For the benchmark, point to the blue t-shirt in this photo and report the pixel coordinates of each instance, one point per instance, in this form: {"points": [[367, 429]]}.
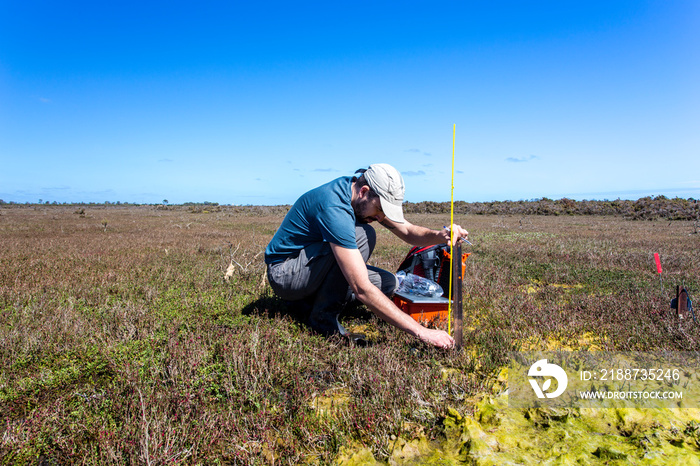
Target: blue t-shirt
{"points": [[323, 214]]}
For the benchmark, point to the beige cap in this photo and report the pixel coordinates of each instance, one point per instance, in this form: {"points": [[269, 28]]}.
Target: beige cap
{"points": [[386, 181]]}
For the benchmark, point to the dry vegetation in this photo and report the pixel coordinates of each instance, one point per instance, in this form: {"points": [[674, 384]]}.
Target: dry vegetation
{"points": [[645, 208], [122, 343]]}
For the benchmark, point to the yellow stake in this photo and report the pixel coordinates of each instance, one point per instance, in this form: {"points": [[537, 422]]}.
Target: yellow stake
{"points": [[452, 222]]}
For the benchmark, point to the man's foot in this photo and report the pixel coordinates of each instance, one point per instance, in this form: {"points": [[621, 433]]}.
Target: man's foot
{"points": [[357, 339], [326, 324]]}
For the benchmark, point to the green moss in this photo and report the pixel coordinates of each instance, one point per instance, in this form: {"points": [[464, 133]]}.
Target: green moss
{"points": [[355, 455], [499, 435]]}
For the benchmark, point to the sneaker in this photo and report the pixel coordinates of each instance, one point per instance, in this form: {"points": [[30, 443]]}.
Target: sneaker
{"points": [[326, 324], [357, 339]]}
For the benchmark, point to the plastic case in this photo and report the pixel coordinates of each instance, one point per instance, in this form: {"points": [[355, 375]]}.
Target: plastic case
{"points": [[423, 309]]}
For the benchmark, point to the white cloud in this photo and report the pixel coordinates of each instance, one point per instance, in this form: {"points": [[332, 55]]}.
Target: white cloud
{"points": [[414, 173], [418, 151], [522, 159]]}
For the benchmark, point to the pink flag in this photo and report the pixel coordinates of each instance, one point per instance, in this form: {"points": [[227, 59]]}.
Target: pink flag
{"points": [[658, 262]]}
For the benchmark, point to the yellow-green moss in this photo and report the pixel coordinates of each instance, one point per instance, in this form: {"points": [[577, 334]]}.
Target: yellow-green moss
{"points": [[497, 435]]}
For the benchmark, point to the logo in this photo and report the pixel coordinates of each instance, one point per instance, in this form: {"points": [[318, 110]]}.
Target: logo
{"points": [[543, 369]]}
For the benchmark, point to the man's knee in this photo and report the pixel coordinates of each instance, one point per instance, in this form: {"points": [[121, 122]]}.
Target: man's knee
{"points": [[383, 279]]}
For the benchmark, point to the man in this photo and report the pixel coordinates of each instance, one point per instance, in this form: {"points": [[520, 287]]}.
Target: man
{"points": [[318, 255]]}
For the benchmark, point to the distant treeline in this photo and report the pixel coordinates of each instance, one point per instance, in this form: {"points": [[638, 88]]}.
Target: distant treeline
{"points": [[646, 208]]}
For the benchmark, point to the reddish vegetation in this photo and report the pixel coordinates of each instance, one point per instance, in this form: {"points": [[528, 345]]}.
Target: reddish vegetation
{"points": [[122, 342]]}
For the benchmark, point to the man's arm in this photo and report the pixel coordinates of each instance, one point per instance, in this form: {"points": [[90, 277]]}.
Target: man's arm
{"points": [[417, 235], [355, 272]]}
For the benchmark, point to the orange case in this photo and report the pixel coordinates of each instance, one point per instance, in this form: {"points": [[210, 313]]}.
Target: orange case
{"points": [[427, 310], [423, 310]]}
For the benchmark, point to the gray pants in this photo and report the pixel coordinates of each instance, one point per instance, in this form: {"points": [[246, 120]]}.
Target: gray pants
{"points": [[313, 276]]}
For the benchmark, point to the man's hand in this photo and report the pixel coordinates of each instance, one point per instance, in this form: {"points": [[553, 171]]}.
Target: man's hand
{"points": [[421, 236], [460, 234], [438, 338]]}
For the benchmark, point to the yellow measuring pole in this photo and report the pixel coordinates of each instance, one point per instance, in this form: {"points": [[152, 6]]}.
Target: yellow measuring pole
{"points": [[452, 222]]}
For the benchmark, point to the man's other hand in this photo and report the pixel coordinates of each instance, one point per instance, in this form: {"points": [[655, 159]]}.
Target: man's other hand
{"points": [[438, 338], [460, 234]]}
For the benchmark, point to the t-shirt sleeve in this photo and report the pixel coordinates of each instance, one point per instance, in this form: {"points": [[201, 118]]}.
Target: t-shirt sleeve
{"points": [[337, 226]]}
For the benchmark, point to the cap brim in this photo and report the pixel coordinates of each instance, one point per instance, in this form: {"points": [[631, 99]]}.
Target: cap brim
{"points": [[391, 211]]}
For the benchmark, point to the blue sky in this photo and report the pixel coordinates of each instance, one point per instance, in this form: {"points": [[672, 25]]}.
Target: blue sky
{"points": [[257, 102]]}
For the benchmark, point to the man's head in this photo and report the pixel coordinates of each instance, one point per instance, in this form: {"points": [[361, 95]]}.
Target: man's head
{"points": [[384, 183]]}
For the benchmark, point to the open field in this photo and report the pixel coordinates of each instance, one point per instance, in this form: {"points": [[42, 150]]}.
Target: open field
{"points": [[120, 342]]}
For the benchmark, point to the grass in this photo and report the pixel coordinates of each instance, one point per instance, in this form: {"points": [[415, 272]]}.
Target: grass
{"points": [[122, 343]]}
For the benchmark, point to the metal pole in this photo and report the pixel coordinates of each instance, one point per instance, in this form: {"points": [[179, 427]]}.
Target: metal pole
{"points": [[457, 274], [452, 232]]}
